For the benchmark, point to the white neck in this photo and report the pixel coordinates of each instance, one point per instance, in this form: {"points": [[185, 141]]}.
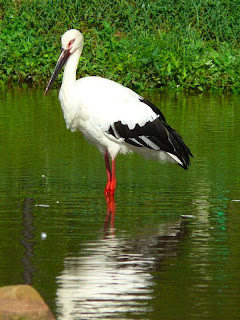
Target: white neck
{"points": [[69, 75]]}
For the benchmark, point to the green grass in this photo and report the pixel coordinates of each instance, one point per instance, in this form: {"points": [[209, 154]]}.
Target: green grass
{"points": [[179, 45]]}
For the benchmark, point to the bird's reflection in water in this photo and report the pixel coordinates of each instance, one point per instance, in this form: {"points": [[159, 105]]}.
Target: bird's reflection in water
{"points": [[112, 277], [110, 215]]}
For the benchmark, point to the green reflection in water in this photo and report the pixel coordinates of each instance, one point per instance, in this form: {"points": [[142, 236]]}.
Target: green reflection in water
{"points": [[52, 182]]}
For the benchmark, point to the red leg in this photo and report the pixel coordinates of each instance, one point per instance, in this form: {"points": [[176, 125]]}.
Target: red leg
{"points": [[108, 168], [111, 178]]}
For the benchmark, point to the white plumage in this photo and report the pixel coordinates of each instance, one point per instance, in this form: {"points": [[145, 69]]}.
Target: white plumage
{"points": [[112, 117]]}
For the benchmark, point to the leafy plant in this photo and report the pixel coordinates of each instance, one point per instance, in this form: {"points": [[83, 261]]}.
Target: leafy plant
{"points": [[180, 45]]}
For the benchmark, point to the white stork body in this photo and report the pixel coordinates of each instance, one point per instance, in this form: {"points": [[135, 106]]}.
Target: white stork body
{"points": [[112, 117], [89, 106]]}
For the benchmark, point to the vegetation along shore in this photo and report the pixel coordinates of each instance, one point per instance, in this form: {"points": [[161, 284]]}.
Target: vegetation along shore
{"points": [[162, 44]]}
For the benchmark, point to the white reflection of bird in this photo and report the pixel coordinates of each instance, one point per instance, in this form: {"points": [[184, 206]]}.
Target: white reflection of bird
{"points": [[112, 117]]}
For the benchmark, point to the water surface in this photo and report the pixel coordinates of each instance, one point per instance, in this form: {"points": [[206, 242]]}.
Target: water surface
{"points": [[171, 251]]}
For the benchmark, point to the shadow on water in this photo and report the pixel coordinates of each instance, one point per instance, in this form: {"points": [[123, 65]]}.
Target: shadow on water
{"points": [[27, 240]]}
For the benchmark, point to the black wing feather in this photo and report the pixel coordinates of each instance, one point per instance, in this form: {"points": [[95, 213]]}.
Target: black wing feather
{"points": [[158, 132]]}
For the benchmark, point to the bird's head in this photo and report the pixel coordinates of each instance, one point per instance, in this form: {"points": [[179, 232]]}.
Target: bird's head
{"points": [[72, 40]]}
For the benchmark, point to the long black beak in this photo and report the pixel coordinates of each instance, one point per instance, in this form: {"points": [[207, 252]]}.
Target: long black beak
{"points": [[60, 63]]}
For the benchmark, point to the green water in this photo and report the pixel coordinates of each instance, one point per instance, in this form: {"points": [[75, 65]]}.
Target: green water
{"points": [[149, 261]]}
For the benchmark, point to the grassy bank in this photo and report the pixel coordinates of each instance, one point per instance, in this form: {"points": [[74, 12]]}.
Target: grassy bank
{"points": [[163, 44]]}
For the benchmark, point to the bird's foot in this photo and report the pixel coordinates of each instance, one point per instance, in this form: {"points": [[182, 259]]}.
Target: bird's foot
{"points": [[110, 188]]}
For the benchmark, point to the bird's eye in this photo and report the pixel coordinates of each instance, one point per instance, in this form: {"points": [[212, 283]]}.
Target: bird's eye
{"points": [[71, 42]]}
